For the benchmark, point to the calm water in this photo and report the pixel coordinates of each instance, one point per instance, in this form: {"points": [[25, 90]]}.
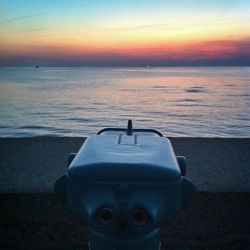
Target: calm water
{"points": [[203, 102]]}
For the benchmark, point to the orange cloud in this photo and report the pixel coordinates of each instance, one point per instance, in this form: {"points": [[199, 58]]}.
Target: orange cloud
{"points": [[175, 53]]}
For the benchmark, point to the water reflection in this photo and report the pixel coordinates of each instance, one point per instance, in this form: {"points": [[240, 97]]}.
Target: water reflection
{"points": [[80, 101]]}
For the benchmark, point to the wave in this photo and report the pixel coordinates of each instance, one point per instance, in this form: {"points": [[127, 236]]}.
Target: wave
{"points": [[197, 90]]}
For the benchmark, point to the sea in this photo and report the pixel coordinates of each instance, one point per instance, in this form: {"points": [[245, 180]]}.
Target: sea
{"points": [[79, 101]]}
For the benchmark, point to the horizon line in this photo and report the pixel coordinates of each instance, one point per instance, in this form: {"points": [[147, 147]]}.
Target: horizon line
{"points": [[123, 66]]}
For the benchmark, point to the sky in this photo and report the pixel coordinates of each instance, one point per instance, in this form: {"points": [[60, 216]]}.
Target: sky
{"points": [[124, 33]]}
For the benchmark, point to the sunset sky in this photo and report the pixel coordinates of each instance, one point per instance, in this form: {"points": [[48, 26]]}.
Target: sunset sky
{"points": [[124, 33]]}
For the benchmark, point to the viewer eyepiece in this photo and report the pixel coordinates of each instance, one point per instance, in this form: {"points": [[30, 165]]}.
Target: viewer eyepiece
{"points": [[105, 215], [140, 217]]}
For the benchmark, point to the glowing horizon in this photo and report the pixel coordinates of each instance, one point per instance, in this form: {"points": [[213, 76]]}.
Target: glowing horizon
{"points": [[132, 33]]}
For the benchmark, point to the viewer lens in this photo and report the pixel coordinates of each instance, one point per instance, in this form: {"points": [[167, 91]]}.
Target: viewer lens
{"points": [[105, 215], [140, 217]]}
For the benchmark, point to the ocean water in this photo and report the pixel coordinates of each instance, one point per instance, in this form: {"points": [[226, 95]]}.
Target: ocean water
{"points": [[178, 101]]}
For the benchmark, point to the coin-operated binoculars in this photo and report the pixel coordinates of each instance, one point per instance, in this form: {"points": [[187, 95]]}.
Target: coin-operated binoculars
{"points": [[125, 185]]}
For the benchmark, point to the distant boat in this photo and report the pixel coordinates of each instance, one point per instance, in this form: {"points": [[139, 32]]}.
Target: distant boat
{"points": [[37, 67]]}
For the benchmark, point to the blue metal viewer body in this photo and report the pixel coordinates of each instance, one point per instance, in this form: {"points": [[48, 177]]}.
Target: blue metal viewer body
{"points": [[125, 185]]}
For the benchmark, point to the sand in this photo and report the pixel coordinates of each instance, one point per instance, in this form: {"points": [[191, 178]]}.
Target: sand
{"points": [[38, 221], [32, 218], [32, 165]]}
